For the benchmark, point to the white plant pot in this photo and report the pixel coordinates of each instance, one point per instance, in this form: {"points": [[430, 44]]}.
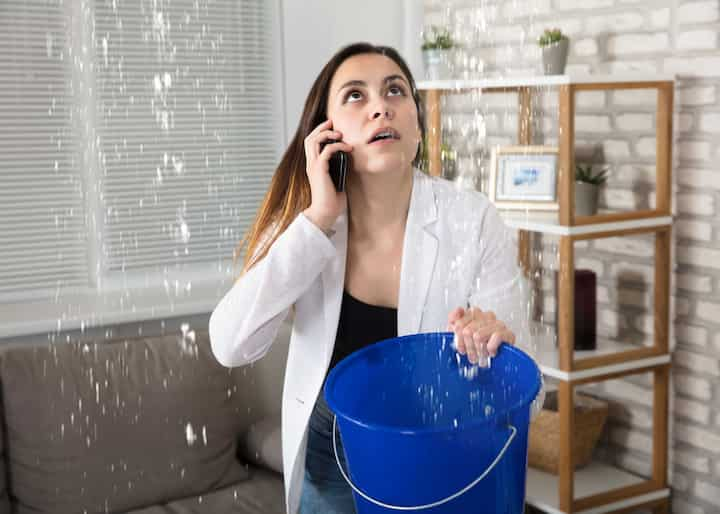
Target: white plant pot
{"points": [[436, 64], [554, 57], [586, 199]]}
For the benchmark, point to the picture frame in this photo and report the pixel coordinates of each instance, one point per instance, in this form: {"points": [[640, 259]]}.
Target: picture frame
{"points": [[524, 177]]}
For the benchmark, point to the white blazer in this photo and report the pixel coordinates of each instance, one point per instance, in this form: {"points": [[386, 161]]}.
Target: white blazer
{"points": [[456, 252]]}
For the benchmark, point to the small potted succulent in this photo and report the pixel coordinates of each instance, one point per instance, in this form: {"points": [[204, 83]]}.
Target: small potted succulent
{"points": [[554, 46], [587, 187], [436, 46]]}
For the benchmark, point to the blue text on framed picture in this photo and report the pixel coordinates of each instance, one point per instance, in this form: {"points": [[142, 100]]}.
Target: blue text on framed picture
{"points": [[524, 177]]}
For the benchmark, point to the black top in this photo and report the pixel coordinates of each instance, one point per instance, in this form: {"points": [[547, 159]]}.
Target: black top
{"points": [[361, 325]]}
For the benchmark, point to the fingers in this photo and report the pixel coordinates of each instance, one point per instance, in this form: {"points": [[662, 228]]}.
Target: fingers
{"points": [[331, 148], [455, 315], [314, 141], [478, 333]]}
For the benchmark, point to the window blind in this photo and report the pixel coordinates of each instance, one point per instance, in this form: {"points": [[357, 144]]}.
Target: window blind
{"points": [[42, 236], [136, 135], [186, 127]]}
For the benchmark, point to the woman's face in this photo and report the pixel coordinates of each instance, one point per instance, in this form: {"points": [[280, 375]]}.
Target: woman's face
{"points": [[370, 96]]}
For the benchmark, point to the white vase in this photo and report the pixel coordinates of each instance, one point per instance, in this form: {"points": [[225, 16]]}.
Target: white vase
{"points": [[586, 198], [436, 64], [554, 57]]}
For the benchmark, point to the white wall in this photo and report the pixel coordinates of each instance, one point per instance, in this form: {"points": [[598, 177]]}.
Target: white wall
{"points": [[315, 29]]}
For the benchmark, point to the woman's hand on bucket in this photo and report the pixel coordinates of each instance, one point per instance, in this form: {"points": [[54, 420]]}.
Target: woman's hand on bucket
{"points": [[326, 204], [478, 333]]}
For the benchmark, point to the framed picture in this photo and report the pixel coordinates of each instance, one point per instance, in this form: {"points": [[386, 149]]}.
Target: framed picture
{"points": [[524, 177]]}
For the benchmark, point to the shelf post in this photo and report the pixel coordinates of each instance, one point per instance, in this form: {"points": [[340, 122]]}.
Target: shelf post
{"points": [[566, 161], [566, 470], [433, 136], [663, 152], [524, 138], [661, 390]]}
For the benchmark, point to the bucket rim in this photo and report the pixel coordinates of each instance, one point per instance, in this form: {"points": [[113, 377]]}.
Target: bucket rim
{"points": [[525, 399]]}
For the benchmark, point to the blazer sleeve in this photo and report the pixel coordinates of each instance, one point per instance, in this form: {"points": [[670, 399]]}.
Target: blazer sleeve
{"points": [[245, 322], [498, 284]]}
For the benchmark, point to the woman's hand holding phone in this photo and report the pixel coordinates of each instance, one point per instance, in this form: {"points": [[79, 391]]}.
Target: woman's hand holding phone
{"points": [[326, 203]]}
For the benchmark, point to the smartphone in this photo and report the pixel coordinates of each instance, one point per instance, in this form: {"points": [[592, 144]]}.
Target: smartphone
{"points": [[338, 167]]}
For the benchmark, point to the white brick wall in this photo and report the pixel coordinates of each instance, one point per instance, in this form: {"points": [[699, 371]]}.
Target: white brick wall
{"points": [[604, 24], [690, 229], [698, 178], [710, 122], [695, 411], [693, 66], [691, 461], [681, 506], [618, 128], [697, 40], [691, 334], [708, 492], [692, 96], [694, 150], [697, 12], [707, 440], [638, 43], [699, 388], [697, 363], [635, 122], [701, 205]]}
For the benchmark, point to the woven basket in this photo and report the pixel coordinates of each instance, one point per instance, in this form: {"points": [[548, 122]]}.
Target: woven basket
{"points": [[544, 444]]}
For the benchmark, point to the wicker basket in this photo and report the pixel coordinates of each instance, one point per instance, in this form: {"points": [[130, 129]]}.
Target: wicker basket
{"points": [[544, 447]]}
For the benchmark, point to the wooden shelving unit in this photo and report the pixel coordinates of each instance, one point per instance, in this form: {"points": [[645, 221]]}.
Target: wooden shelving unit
{"points": [[597, 488]]}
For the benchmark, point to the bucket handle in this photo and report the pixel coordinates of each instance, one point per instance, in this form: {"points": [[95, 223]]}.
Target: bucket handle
{"points": [[513, 432]]}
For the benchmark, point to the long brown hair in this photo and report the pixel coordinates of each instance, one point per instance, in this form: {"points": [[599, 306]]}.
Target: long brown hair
{"points": [[289, 192]]}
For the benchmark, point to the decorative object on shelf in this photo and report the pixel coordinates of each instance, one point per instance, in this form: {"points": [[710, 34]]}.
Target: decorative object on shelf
{"points": [[436, 46], [587, 188], [524, 177], [544, 440], [585, 308], [554, 45]]}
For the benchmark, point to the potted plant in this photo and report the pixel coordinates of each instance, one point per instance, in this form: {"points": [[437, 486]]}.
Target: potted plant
{"points": [[587, 186], [554, 46], [436, 46]]}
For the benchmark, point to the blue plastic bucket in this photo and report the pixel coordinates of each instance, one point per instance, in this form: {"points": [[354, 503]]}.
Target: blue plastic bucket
{"points": [[423, 430]]}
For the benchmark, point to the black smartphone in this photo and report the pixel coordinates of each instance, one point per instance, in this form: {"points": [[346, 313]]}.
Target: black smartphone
{"points": [[338, 167]]}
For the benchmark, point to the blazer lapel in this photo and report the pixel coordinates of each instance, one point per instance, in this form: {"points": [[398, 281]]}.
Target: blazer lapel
{"points": [[333, 279], [420, 250]]}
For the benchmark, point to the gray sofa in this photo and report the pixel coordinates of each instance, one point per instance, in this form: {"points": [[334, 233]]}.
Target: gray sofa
{"points": [[143, 426]]}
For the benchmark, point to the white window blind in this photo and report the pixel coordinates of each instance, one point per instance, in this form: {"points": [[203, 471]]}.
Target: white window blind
{"points": [[138, 138], [186, 126], [42, 239]]}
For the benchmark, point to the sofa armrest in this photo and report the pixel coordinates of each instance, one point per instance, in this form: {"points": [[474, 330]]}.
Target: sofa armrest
{"points": [[262, 444]]}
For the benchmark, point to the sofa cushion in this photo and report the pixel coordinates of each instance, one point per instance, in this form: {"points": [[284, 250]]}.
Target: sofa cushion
{"points": [[262, 494], [262, 444], [112, 426], [5, 507]]}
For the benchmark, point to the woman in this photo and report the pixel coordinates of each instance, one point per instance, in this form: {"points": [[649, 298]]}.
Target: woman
{"points": [[398, 253]]}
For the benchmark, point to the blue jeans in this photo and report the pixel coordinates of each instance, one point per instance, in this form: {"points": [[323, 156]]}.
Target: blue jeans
{"points": [[324, 489]]}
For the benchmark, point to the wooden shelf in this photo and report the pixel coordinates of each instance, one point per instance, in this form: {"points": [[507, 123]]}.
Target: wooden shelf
{"points": [[596, 478], [548, 223], [548, 358], [597, 488], [543, 81]]}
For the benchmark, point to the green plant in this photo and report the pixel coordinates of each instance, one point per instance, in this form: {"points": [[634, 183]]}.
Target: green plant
{"points": [[584, 173], [551, 36], [447, 154], [438, 39]]}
